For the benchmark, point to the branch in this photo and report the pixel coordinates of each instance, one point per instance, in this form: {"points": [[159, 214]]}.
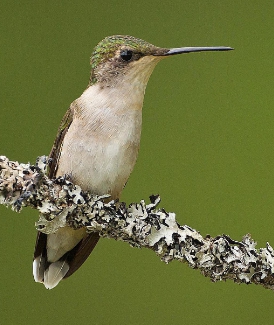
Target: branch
{"points": [[61, 203]]}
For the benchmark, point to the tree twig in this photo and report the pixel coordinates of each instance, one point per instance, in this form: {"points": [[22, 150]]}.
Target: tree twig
{"points": [[61, 203]]}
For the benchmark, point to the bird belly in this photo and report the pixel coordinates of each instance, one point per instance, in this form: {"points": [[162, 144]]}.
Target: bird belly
{"points": [[100, 163], [99, 168]]}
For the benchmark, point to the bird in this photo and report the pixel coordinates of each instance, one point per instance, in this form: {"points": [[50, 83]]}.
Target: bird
{"points": [[98, 141]]}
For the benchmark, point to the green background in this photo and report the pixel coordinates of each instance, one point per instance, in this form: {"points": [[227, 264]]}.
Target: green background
{"points": [[207, 149]]}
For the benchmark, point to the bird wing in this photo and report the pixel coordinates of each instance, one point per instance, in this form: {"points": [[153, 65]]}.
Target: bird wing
{"points": [[50, 273], [55, 153]]}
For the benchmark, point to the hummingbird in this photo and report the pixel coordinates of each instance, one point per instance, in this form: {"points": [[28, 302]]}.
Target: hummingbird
{"points": [[98, 141]]}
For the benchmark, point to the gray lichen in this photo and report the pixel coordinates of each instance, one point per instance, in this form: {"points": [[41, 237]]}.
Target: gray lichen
{"points": [[61, 203]]}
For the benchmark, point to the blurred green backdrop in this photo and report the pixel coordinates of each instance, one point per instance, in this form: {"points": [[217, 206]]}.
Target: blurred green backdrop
{"points": [[207, 148]]}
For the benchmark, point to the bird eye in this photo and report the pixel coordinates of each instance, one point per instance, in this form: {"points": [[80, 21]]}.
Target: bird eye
{"points": [[126, 55]]}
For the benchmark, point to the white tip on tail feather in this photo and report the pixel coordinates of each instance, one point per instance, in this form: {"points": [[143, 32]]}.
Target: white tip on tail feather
{"points": [[52, 275], [36, 268], [55, 273]]}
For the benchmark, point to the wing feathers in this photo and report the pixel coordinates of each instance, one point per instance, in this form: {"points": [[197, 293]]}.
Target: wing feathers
{"points": [[81, 252], [66, 251]]}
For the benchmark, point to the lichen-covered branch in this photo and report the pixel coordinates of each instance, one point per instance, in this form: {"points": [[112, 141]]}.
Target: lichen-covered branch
{"points": [[61, 203]]}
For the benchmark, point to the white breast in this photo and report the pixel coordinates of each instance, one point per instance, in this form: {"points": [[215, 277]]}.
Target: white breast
{"points": [[101, 146]]}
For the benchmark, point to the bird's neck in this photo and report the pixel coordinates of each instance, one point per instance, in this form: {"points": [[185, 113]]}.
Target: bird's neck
{"points": [[120, 97], [114, 112]]}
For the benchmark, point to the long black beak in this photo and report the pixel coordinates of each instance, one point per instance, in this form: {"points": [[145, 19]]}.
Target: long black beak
{"points": [[180, 50]]}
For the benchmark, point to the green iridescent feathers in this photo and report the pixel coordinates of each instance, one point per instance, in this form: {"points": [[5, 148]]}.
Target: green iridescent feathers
{"points": [[108, 47]]}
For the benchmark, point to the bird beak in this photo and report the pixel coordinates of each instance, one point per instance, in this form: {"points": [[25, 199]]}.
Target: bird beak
{"points": [[180, 50]]}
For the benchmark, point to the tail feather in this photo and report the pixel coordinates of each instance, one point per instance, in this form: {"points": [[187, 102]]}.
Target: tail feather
{"points": [[40, 257], [55, 273], [52, 272]]}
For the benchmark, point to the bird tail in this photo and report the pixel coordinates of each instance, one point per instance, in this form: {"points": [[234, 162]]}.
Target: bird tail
{"points": [[58, 256]]}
